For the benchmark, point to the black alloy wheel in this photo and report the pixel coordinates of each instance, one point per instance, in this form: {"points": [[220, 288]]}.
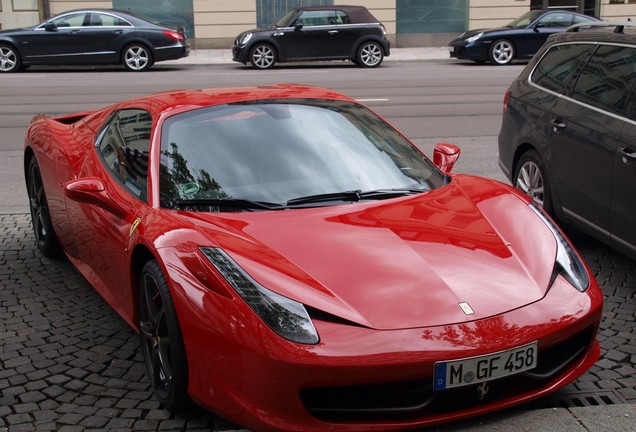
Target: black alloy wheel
{"points": [[161, 340], [45, 237]]}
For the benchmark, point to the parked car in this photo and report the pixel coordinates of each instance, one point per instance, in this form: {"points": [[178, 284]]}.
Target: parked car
{"points": [[520, 39], [92, 37], [568, 135], [292, 262], [314, 34]]}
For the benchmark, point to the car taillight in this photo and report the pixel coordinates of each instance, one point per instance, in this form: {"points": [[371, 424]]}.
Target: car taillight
{"points": [[174, 35], [505, 101]]}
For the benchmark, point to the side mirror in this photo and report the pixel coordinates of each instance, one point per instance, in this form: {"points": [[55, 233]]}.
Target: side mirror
{"points": [[537, 26], [92, 191], [445, 155], [50, 26], [298, 26]]}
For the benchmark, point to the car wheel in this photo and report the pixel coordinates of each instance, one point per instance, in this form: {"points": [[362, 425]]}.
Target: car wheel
{"points": [[531, 178], [161, 340], [10, 60], [263, 56], [370, 54], [136, 58], [502, 52], [40, 216]]}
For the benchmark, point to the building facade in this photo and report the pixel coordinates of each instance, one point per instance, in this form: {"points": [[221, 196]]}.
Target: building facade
{"points": [[215, 23]]}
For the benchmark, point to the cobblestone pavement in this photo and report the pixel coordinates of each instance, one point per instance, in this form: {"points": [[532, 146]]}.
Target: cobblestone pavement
{"points": [[69, 363]]}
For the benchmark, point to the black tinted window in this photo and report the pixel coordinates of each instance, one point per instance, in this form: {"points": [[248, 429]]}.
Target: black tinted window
{"points": [[557, 65], [607, 78], [124, 146]]}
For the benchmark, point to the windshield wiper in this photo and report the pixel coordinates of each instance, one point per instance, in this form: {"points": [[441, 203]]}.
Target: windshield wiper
{"points": [[239, 203], [354, 196]]}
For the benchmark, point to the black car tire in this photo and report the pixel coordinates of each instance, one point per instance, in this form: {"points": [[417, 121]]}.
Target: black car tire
{"points": [[370, 54], [531, 178], [263, 56], [502, 52], [10, 60], [161, 340], [45, 237], [136, 58]]}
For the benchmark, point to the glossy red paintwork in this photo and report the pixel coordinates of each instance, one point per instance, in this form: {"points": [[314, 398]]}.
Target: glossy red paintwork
{"points": [[389, 273]]}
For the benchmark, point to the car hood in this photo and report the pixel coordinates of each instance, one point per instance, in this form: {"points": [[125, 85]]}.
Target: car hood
{"points": [[401, 263]]}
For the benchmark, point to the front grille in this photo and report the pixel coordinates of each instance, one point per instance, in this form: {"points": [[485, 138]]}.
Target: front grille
{"points": [[416, 399]]}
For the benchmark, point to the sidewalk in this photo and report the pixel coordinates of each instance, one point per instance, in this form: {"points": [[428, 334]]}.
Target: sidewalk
{"points": [[220, 56]]}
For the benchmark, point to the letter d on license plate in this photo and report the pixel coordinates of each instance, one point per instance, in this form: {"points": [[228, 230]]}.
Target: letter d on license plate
{"points": [[474, 370]]}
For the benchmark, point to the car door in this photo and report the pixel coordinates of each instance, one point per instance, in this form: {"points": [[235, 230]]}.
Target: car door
{"points": [[624, 181], [315, 35], [587, 138], [56, 41], [99, 36], [103, 229]]}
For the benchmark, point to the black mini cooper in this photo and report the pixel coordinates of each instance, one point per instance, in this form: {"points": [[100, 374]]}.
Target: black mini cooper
{"points": [[314, 34]]}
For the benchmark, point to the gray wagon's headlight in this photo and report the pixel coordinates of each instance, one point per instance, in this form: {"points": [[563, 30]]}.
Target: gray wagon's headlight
{"points": [[567, 263], [244, 38], [474, 37], [285, 316]]}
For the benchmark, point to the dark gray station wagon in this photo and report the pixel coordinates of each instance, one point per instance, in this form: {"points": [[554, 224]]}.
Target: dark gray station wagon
{"points": [[568, 135], [313, 34]]}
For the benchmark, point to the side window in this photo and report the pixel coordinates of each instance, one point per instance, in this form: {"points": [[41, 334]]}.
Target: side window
{"points": [[556, 20], [342, 18], [124, 145], [316, 18], [556, 66], [607, 78], [73, 20]]}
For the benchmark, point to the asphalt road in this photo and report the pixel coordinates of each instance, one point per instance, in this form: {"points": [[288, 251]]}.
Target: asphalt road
{"points": [[67, 362], [428, 101]]}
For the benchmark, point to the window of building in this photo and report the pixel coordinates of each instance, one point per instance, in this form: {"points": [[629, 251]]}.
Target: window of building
{"points": [[431, 16]]}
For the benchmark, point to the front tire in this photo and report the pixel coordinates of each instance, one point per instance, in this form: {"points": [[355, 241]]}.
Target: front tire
{"points": [[370, 54], [161, 340], [45, 238], [502, 52], [136, 58], [263, 56], [531, 178], [10, 60]]}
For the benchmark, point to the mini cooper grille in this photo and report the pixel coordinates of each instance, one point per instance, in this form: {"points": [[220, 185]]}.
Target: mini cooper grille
{"points": [[416, 399]]}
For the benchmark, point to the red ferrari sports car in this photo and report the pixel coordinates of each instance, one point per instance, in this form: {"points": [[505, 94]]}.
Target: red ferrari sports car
{"points": [[292, 262]]}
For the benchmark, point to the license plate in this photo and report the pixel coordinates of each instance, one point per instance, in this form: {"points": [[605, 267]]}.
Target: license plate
{"points": [[475, 370]]}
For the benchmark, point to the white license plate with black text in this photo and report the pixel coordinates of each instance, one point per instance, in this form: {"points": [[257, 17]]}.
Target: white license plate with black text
{"points": [[475, 370]]}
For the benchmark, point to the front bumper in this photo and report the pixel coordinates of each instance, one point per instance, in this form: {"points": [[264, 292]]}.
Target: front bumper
{"points": [[476, 51], [246, 373]]}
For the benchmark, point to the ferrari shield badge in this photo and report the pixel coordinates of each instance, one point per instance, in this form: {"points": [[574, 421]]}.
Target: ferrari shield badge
{"points": [[133, 227]]}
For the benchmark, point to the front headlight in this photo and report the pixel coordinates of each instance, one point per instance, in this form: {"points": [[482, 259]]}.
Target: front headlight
{"points": [[285, 316], [474, 37], [246, 37], [567, 263]]}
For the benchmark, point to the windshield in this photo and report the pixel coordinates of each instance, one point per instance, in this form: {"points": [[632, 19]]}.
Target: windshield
{"points": [[285, 20], [525, 19], [277, 151]]}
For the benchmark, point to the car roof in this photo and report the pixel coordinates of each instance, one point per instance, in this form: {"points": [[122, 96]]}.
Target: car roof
{"points": [[600, 31], [357, 14], [178, 101]]}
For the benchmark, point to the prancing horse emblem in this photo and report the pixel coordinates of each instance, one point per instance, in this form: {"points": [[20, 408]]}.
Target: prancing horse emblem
{"points": [[482, 390], [466, 308]]}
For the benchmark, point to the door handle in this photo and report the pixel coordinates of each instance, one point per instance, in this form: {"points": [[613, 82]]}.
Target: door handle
{"points": [[628, 155], [75, 32], [333, 32], [558, 125]]}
